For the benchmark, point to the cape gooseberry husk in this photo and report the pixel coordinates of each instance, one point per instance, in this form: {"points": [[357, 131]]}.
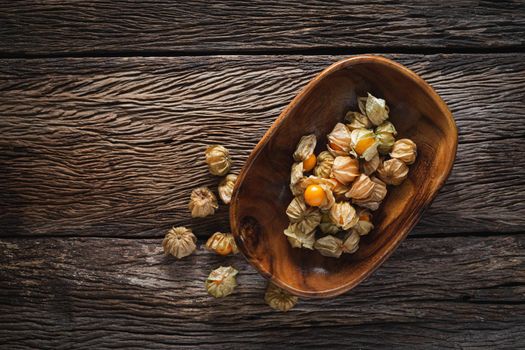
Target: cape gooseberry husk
{"points": [[343, 214], [179, 242], [279, 299], [361, 188], [202, 202], [329, 246], [307, 218], [357, 120], [222, 243], [218, 160], [226, 188], [325, 161], [378, 193], [222, 281], [299, 238], [305, 148], [345, 169], [351, 242], [393, 171], [339, 140], [404, 150], [376, 109], [364, 225], [371, 166]]}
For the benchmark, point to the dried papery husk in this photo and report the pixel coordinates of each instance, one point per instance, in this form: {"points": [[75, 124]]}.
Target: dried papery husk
{"points": [[393, 171], [296, 176], [279, 299], [311, 219], [299, 238], [373, 201], [343, 214], [218, 160], [376, 109], [179, 242], [314, 180], [329, 246], [226, 188], [339, 140], [345, 169], [298, 188], [361, 188], [356, 120], [327, 226], [364, 225], [297, 173], [386, 127], [363, 143], [351, 242], [305, 148], [385, 136], [202, 202], [338, 189], [404, 150], [329, 198], [325, 161], [222, 243], [222, 281], [371, 166], [385, 141], [361, 104], [296, 209], [308, 218]]}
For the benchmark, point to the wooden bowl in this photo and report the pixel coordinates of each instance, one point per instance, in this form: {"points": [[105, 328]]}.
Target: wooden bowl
{"points": [[261, 194]]}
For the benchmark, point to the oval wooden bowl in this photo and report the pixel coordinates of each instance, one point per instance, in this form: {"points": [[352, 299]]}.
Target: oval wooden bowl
{"points": [[261, 195]]}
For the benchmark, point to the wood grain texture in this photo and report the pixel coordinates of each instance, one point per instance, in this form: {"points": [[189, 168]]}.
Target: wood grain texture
{"points": [[262, 193], [103, 26], [113, 147], [59, 293]]}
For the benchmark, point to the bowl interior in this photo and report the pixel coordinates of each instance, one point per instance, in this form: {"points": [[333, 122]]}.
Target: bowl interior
{"points": [[262, 193]]}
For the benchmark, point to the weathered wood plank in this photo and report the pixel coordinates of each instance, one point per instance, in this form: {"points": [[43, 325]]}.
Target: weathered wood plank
{"points": [[462, 292], [102, 26], [113, 147]]}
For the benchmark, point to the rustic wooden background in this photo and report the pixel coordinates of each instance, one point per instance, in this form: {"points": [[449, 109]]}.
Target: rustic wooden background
{"points": [[106, 108]]}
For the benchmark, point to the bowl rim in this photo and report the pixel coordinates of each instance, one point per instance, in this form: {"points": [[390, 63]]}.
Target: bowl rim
{"points": [[397, 239]]}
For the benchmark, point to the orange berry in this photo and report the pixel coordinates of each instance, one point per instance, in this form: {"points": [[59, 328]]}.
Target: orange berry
{"points": [[364, 217], [314, 195], [334, 146], [363, 145], [309, 163], [224, 249]]}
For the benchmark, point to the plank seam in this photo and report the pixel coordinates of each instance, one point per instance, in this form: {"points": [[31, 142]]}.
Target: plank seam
{"points": [[202, 239], [304, 51]]}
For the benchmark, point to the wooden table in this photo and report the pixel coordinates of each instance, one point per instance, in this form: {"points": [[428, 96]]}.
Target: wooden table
{"points": [[106, 108]]}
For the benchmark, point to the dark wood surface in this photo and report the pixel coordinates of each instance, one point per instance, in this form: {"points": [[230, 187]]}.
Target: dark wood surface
{"points": [[100, 147], [98, 156], [138, 27], [455, 292]]}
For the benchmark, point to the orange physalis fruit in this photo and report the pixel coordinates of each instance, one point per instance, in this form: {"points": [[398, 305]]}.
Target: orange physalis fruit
{"points": [[314, 195], [363, 144], [364, 217], [223, 249], [309, 163], [334, 146]]}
